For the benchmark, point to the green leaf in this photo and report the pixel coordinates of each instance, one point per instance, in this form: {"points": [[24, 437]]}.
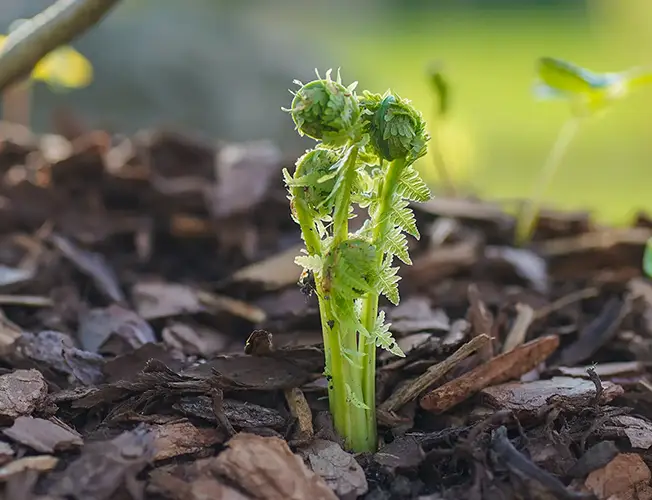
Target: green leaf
{"points": [[565, 77], [387, 280], [396, 243], [403, 216], [309, 262], [354, 399], [647, 258], [412, 186], [383, 337], [353, 357]]}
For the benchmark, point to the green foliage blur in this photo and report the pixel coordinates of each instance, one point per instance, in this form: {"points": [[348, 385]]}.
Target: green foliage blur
{"points": [[498, 133]]}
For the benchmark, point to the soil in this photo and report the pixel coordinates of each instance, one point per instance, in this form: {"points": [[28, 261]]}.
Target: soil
{"points": [[155, 343]]}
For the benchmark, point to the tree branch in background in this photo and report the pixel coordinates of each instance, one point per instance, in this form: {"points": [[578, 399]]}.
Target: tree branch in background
{"points": [[57, 25]]}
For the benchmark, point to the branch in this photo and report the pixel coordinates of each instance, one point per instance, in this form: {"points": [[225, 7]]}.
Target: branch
{"points": [[57, 25]]}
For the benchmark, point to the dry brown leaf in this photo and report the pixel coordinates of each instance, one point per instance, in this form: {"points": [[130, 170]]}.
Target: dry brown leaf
{"points": [[266, 468], [181, 438], [273, 273], [620, 479], [21, 392], [500, 369]]}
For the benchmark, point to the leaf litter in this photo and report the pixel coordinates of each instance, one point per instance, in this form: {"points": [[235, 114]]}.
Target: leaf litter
{"points": [[154, 342]]}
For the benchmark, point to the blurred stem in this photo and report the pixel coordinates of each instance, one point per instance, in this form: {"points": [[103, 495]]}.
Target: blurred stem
{"points": [[440, 165], [57, 25], [16, 103], [527, 218]]}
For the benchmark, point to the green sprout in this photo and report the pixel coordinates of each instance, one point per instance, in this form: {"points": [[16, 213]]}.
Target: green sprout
{"points": [[589, 94], [647, 258], [441, 91], [367, 146]]}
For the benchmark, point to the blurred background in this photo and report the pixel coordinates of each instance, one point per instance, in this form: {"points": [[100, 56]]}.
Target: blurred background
{"points": [[223, 69]]}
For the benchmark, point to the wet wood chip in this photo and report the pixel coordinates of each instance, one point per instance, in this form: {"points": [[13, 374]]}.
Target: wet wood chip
{"points": [[626, 477], [183, 438], [39, 463], [500, 369], [338, 468], [42, 435], [266, 469], [21, 392], [529, 397]]}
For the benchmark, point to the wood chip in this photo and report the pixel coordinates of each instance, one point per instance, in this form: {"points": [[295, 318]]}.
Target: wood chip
{"points": [[620, 479], [42, 435], [21, 392], [266, 469], [182, 438], [637, 430], [500, 369], [518, 332], [529, 397]]}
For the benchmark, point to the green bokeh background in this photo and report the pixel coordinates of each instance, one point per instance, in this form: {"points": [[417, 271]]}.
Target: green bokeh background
{"points": [[489, 57]]}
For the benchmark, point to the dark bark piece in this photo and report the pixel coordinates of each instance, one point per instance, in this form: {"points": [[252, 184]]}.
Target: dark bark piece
{"points": [[597, 333], [42, 435], [508, 456], [404, 453], [596, 457], [127, 366], [104, 467], [56, 351], [241, 414]]}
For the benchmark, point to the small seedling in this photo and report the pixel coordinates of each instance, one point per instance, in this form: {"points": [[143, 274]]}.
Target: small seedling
{"points": [[63, 68], [441, 91], [366, 149], [589, 94]]}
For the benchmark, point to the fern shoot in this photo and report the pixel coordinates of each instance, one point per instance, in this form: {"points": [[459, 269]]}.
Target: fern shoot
{"points": [[364, 157]]}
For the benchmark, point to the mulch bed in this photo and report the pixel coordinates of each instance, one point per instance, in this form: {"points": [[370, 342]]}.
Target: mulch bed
{"points": [[154, 343]]}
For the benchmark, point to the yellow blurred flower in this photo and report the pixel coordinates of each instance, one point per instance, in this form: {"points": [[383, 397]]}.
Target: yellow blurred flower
{"points": [[64, 67]]}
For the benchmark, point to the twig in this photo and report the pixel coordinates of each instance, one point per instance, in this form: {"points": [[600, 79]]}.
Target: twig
{"points": [[518, 333], [57, 25], [399, 398]]}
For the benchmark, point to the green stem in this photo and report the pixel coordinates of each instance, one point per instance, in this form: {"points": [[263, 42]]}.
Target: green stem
{"points": [[526, 220], [332, 350], [370, 306], [354, 432]]}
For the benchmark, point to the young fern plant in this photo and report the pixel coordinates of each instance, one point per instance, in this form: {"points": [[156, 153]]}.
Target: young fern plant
{"points": [[367, 146]]}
